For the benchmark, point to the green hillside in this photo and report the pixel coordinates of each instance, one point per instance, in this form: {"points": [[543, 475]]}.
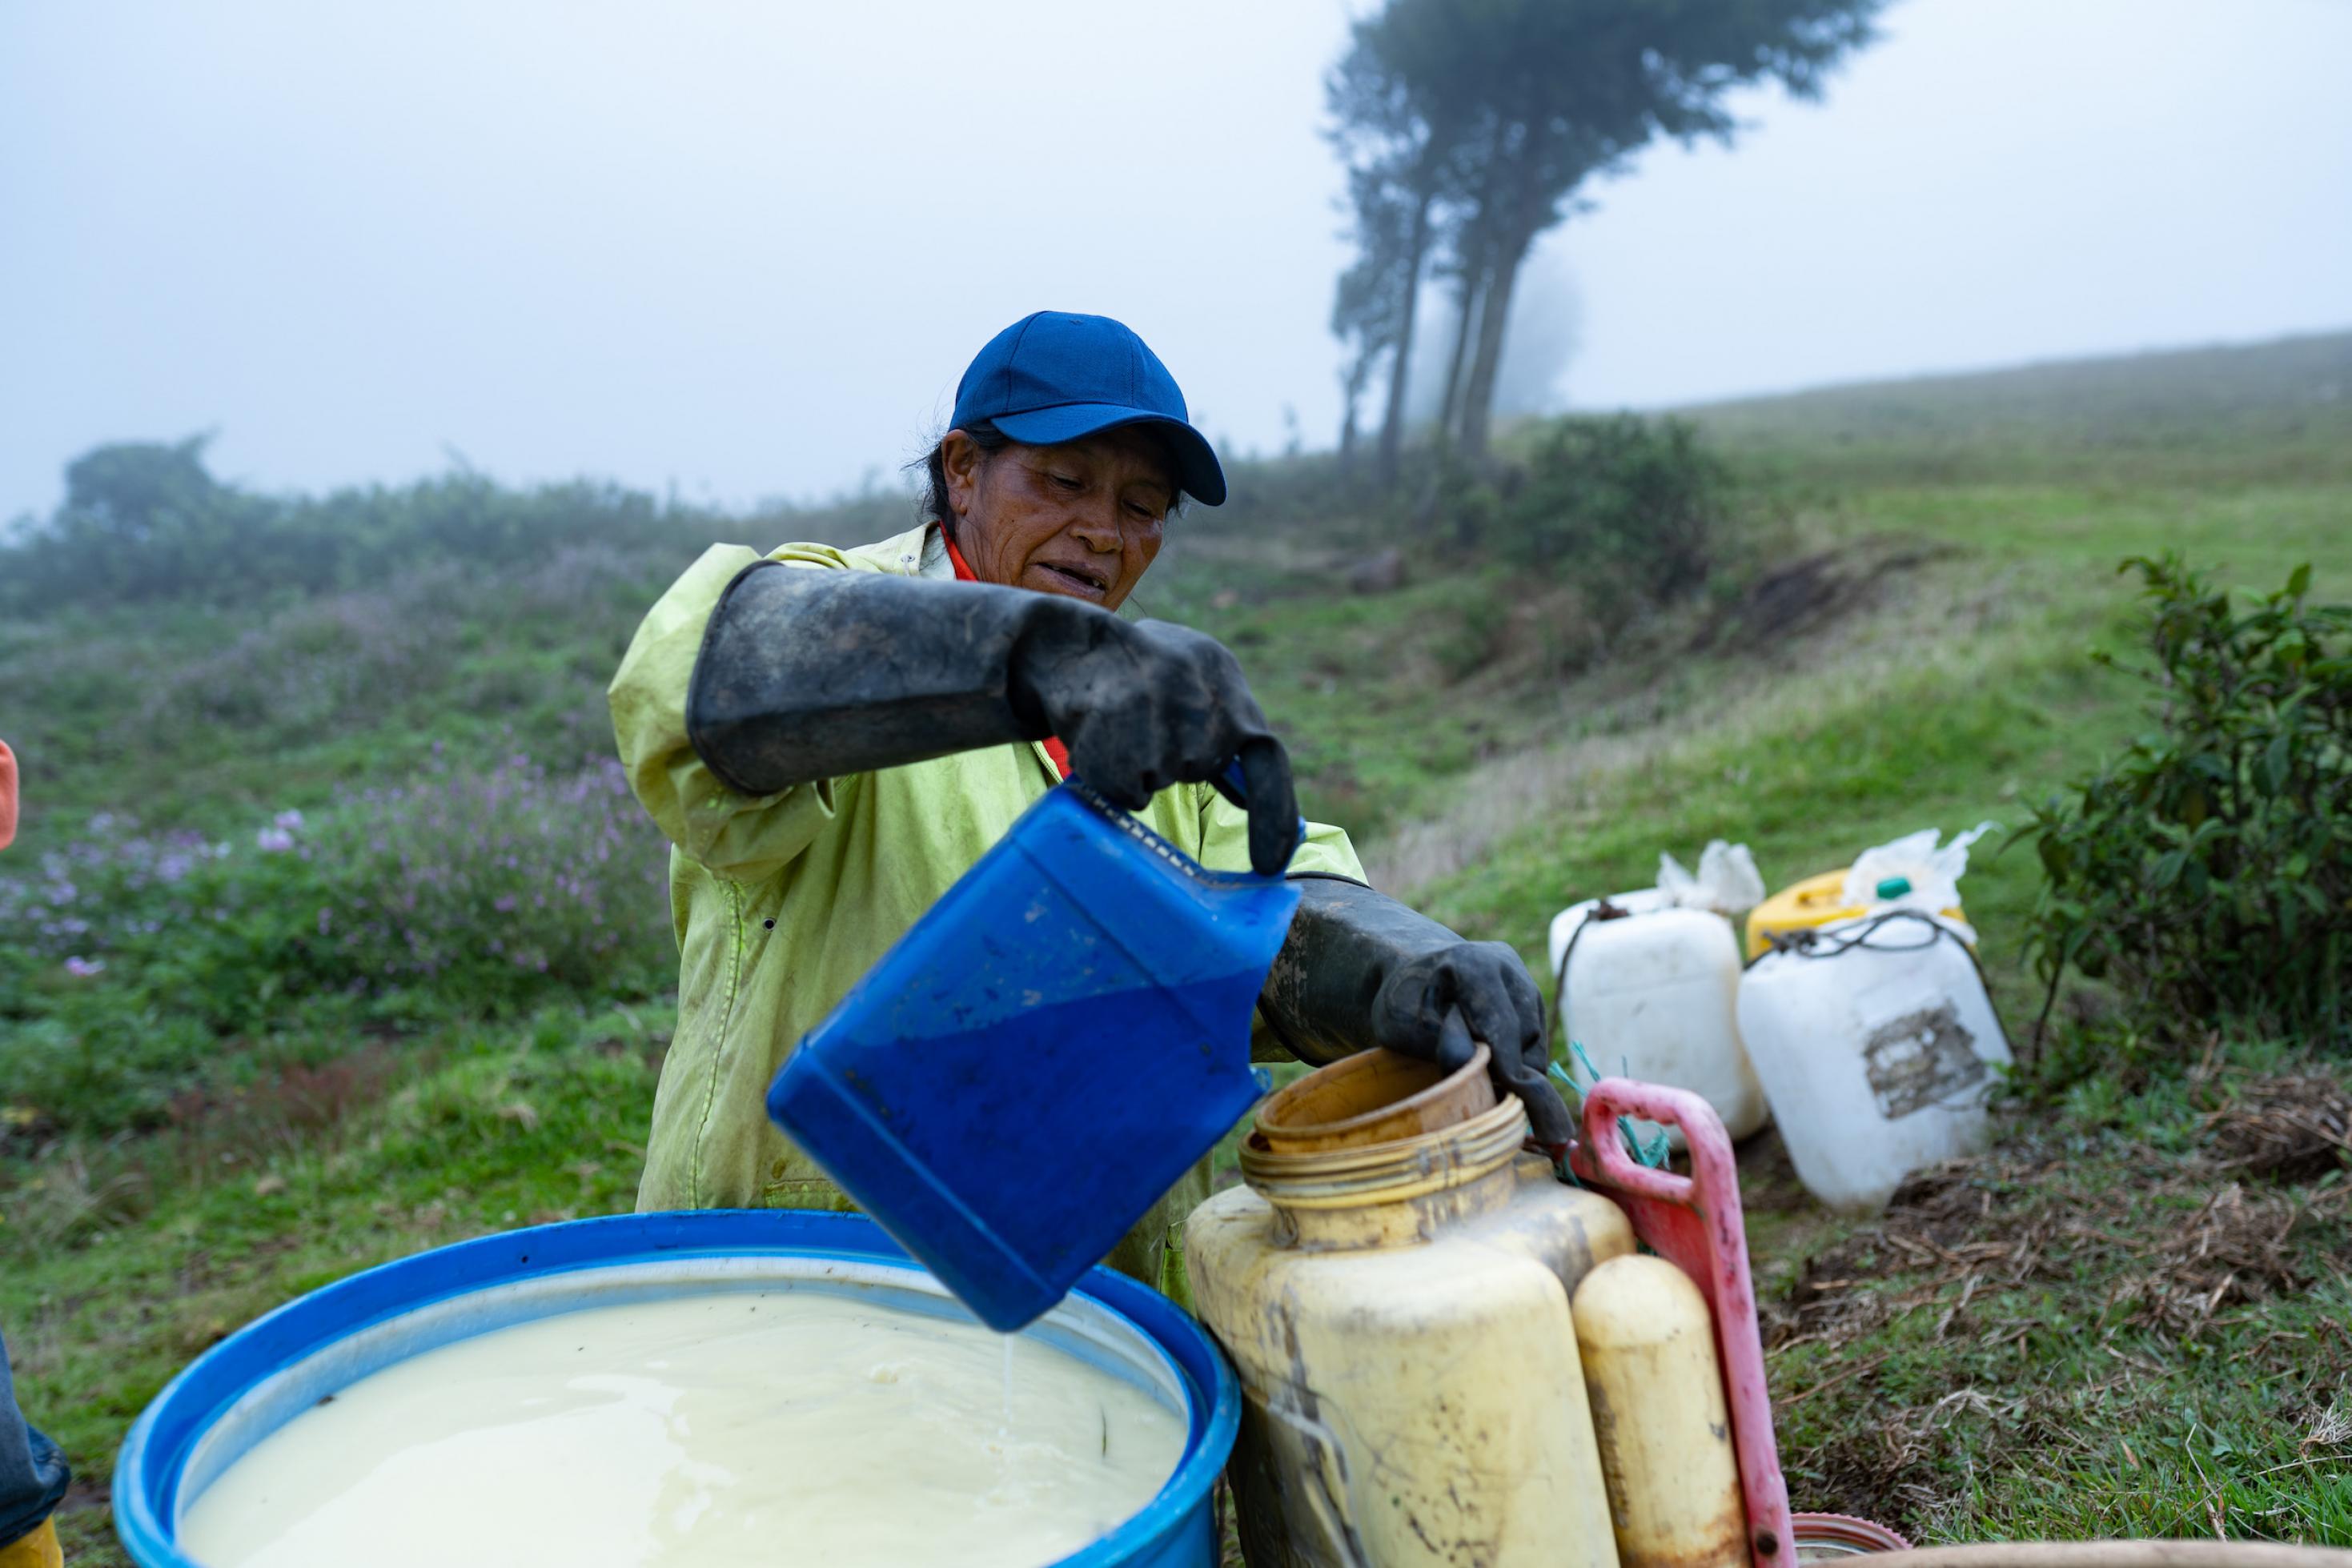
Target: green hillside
{"points": [[2229, 414], [264, 1067]]}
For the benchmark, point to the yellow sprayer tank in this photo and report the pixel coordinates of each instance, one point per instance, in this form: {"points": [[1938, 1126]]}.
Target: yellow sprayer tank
{"points": [[1816, 901], [1393, 1286], [1658, 1410]]}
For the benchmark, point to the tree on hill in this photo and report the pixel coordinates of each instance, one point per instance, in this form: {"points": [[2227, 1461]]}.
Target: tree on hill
{"points": [[129, 492], [1485, 120], [1401, 111], [142, 519]]}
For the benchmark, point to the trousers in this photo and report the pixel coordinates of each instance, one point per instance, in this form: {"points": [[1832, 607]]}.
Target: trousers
{"points": [[33, 1473]]}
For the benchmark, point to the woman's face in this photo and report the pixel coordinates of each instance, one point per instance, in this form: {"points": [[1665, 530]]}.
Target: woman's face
{"points": [[1082, 518]]}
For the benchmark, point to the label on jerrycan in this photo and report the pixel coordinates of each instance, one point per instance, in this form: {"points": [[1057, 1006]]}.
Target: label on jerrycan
{"points": [[1919, 1058]]}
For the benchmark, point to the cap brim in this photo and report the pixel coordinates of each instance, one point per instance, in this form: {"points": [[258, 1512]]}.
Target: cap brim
{"points": [[1197, 471]]}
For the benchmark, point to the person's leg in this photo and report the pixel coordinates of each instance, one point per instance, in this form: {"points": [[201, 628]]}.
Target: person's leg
{"points": [[33, 1477]]}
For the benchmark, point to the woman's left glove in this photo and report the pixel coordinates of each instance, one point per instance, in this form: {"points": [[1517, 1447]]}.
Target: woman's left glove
{"points": [[807, 674], [1361, 969]]}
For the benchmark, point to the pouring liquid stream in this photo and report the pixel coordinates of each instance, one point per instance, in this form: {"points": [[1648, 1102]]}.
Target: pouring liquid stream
{"points": [[1005, 1419]]}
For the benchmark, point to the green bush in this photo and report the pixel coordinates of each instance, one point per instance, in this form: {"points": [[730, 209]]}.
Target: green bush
{"points": [[2206, 874], [146, 523], [133, 953], [1632, 507]]}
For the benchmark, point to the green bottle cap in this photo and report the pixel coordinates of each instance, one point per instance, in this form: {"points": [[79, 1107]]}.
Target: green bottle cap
{"points": [[1894, 887]]}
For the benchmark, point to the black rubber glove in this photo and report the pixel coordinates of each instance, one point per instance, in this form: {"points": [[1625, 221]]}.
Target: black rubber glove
{"points": [[808, 673], [1361, 969], [1145, 704]]}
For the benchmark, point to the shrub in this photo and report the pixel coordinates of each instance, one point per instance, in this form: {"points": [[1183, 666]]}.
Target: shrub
{"points": [[2207, 872], [147, 523], [1629, 504], [338, 661], [490, 889], [495, 885]]}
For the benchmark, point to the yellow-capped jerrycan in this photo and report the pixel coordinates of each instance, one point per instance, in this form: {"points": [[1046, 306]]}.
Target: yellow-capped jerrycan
{"points": [[1392, 1284]]}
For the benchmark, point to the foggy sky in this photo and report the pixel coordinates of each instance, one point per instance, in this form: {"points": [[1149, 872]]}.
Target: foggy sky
{"points": [[744, 250]]}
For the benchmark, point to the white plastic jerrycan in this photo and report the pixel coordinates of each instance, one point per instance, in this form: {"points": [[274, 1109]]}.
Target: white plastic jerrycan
{"points": [[1648, 984], [1877, 1048]]}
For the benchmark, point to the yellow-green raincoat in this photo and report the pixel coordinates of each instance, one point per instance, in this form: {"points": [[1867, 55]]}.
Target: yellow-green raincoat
{"points": [[782, 901]]}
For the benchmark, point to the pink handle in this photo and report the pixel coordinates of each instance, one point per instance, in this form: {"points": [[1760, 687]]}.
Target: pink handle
{"points": [[1695, 1223]]}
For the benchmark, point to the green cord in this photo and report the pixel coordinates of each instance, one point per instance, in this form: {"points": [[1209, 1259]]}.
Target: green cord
{"points": [[1651, 1153]]}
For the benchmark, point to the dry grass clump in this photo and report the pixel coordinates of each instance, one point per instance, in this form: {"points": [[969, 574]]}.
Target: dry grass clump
{"points": [[73, 1190], [2014, 1216], [2044, 1306], [2290, 1127]]}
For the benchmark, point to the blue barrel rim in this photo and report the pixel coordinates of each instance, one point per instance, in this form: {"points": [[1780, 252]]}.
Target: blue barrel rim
{"points": [[144, 1477]]}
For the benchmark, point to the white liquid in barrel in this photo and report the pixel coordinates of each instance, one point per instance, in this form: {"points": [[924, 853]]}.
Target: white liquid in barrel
{"points": [[720, 1428]]}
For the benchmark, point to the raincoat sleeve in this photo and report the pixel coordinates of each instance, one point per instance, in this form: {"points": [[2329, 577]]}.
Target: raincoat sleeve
{"points": [[739, 837], [1224, 846]]}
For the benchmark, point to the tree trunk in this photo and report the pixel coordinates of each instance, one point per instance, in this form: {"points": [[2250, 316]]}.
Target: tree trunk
{"points": [[1512, 237], [1479, 396], [1351, 395], [1401, 365], [1465, 324]]}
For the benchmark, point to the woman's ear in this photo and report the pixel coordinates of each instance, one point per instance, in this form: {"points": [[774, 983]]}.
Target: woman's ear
{"points": [[964, 461]]}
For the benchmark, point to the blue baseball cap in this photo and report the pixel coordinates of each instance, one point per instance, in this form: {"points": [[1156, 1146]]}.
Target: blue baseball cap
{"points": [[1054, 377]]}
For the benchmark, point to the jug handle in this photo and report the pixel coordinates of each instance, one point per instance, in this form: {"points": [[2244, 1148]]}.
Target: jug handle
{"points": [[1233, 787]]}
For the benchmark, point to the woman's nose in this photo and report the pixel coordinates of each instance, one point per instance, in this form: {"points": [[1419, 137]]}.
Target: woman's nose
{"points": [[1097, 528]]}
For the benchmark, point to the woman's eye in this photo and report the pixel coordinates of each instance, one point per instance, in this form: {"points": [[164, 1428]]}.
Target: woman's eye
{"points": [[1065, 481]]}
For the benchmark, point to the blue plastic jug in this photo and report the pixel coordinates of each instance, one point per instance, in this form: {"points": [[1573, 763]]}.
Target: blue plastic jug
{"points": [[1042, 1056]]}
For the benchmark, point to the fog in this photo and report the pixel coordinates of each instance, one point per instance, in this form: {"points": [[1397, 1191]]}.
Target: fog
{"points": [[740, 251]]}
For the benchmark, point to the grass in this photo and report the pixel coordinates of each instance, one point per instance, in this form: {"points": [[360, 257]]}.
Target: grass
{"points": [[1950, 573], [122, 1260], [2241, 414], [1952, 1401], [1948, 697], [2128, 1321]]}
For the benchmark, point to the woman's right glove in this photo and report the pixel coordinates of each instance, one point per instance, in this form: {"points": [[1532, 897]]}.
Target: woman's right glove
{"points": [[1361, 969], [807, 674]]}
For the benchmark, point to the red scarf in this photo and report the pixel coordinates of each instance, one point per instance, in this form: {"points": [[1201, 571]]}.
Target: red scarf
{"points": [[1054, 748]]}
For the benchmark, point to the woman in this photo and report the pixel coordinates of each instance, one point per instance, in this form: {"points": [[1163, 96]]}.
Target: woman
{"points": [[832, 738]]}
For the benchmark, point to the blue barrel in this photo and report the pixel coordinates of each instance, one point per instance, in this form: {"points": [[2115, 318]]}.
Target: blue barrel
{"points": [[272, 1370]]}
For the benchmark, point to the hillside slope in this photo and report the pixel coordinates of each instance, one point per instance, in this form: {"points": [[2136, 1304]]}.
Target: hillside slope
{"points": [[2236, 411], [198, 1129]]}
